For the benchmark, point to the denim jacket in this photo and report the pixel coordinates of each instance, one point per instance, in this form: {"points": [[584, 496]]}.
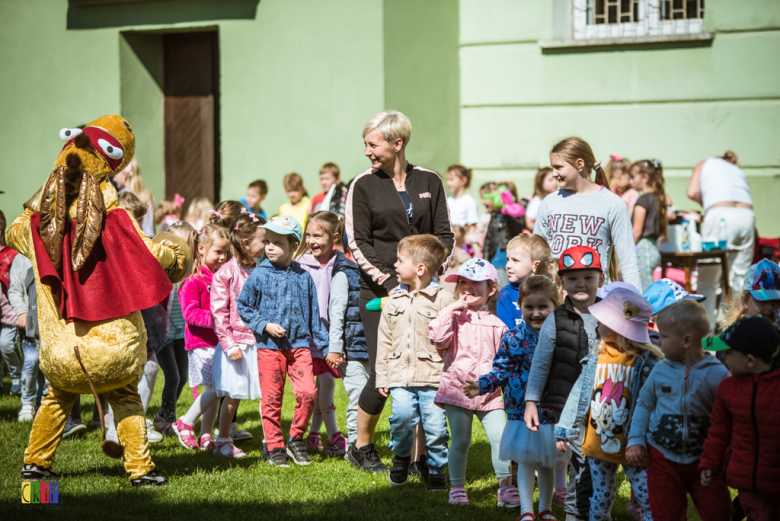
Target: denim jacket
{"points": [[577, 408], [284, 296]]}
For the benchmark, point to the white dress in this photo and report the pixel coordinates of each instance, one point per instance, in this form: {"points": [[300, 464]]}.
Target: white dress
{"points": [[238, 379]]}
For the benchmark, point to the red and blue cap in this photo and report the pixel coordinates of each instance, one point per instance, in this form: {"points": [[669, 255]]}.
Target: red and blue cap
{"points": [[579, 258]]}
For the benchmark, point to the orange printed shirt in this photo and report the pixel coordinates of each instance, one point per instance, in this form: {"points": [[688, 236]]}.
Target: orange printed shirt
{"points": [[610, 406]]}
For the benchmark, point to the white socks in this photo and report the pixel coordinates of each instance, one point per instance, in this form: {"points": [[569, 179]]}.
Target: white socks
{"points": [[525, 486], [205, 405]]}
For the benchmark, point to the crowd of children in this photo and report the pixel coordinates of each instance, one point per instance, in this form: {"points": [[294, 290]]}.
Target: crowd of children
{"points": [[565, 367]]}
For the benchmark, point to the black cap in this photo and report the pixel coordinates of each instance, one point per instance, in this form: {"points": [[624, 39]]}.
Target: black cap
{"points": [[753, 336]]}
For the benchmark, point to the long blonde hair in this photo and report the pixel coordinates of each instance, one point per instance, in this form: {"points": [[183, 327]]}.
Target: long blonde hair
{"points": [[626, 345], [737, 308], [206, 237], [136, 183], [573, 148]]}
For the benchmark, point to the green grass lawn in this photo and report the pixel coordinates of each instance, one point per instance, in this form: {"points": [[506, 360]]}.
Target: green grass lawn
{"points": [[203, 486]]}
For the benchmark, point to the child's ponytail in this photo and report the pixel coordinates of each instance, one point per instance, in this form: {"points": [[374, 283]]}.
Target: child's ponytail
{"points": [[244, 228]]}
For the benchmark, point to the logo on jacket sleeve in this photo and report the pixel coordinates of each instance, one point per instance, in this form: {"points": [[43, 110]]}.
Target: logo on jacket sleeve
{"points": [[425, 195]]}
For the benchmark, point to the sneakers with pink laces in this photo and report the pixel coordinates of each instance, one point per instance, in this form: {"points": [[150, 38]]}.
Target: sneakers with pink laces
{"points": [[206, 442], [458, 496], [314, 442], [337, 446], [186, 434], [227, 449], [508, 497]]}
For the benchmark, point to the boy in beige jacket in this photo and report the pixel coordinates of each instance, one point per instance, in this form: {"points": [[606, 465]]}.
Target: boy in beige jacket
{"points": [[408, 367]]}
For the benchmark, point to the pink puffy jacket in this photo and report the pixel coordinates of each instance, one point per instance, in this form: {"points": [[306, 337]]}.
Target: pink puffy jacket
{"points": [[225, 288], [467, 341], [194, 298]]}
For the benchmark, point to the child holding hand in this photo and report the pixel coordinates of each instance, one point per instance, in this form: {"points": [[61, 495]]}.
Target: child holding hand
{"points": [[467, 337], [672, 417], [200, 340], [235, 365], [408, 366], [534, 450], [279, 304], [624, 361], [742, 444], [318, 256]]}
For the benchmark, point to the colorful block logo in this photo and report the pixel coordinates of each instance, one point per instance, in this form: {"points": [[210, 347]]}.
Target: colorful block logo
{"points": [[39, 494]]}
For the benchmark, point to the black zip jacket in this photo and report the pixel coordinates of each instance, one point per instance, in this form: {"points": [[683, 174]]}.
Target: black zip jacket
{"points": [[376, 221]]}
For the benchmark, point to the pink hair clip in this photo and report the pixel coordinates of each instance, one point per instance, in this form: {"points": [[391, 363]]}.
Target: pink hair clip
{"points": [[235, 228], [244, 210], [214, 212], [178, 200], [616, 158]]}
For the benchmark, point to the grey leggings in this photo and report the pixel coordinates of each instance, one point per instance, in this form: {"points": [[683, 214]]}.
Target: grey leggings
{"points": [[460, 421]]}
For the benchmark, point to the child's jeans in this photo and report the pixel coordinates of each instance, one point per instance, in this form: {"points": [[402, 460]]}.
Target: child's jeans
{"points": [[32, 375], [10, 352], [410, 405], [669, 484], [274, 366], [461, 421], [354, 374], [603, 474], [759, 508]]}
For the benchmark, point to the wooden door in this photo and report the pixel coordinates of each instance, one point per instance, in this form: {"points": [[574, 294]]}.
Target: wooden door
{"points": [[191, 87]]}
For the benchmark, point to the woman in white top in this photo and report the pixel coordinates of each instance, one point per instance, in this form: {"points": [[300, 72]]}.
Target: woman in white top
{"points": [[544, 184], [721, 188], [463, 207]]}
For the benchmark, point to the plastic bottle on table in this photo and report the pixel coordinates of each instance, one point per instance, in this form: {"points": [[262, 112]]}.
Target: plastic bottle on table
{"points": [[723, 236], [686, 238]]}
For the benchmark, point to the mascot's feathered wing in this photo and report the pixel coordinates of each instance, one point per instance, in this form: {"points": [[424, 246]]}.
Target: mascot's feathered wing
{"points": [[94, 272]]}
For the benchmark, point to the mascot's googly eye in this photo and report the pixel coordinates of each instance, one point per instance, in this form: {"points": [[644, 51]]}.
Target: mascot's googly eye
{"points": [[568, 260], [110, 150], [66, 134], [587, 259]]}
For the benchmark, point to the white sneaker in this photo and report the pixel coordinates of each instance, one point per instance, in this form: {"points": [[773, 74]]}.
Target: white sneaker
{"points": [[26, 413], [111, 435], [152, 435]]}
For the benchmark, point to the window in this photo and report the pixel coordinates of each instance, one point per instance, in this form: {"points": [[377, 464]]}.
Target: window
{"points": [[628, 18]]}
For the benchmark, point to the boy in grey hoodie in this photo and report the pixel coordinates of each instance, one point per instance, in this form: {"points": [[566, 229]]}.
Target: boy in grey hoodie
{"points": [[672, 418]]}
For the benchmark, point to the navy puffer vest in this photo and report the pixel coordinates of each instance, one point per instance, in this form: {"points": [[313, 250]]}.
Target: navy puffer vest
{"points": [[570, 348], [354, 336]]}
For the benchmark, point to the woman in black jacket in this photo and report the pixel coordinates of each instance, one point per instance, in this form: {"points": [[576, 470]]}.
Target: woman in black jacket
{"points": [[389, 201]]}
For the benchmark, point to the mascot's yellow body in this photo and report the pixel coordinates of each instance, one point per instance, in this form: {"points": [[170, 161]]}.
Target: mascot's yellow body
{"points": [[114, 350]]}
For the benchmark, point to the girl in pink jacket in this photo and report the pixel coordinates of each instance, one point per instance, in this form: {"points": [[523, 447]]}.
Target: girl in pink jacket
{"points": [[235, 365], [468, 336], [213, 249]]}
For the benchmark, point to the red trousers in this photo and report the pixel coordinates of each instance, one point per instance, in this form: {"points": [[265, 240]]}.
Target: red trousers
{"points": [[274, 367], [759, 508], [668, 484]]}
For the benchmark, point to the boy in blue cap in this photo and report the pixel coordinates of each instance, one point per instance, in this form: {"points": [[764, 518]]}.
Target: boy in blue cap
{"points": [[279, 304]]}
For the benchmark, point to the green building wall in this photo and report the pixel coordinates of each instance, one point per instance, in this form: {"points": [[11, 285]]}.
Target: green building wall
{"points": [[298, 80], [678, 102]]}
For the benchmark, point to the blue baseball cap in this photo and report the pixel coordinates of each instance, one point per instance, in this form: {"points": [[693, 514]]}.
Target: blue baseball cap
{"points": [[665, 292], [763, 281], [285, 225]]}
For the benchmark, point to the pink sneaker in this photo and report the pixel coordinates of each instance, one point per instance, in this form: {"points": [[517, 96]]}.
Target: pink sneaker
{"points": [[227, 449], [206, 443], [458, 496], [508, 497], [337, 446], [186, 434], [559, 498], [314, 442]]}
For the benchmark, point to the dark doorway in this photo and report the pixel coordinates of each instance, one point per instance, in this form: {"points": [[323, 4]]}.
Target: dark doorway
{"points": [[191, 88]]}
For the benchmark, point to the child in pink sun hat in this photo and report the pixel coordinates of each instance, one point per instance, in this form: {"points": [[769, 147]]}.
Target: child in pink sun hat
{"points": [[623, 363]]}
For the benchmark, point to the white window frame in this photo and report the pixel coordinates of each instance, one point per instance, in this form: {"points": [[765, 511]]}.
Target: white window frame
{"points": [[650, 24]]}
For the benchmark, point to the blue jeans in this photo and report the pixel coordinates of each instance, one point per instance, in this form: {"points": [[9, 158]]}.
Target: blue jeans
{"points": [[9, 349], [32, 375], [575, 412], [410, 404]]}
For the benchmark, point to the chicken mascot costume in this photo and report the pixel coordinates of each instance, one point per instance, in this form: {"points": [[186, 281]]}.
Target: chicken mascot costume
{"points": [[94, 272]]}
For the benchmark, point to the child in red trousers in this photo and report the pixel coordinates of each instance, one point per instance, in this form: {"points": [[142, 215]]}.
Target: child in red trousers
{"points": [[743, 445]]}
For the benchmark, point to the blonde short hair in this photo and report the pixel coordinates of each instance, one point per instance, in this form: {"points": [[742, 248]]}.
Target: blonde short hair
{"points": [[392, 124], [685, 316], [425, 249], [535, 245]]}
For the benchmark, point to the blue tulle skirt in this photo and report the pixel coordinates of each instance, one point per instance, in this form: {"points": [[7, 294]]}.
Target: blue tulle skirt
{"points": [[524, 446]]}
